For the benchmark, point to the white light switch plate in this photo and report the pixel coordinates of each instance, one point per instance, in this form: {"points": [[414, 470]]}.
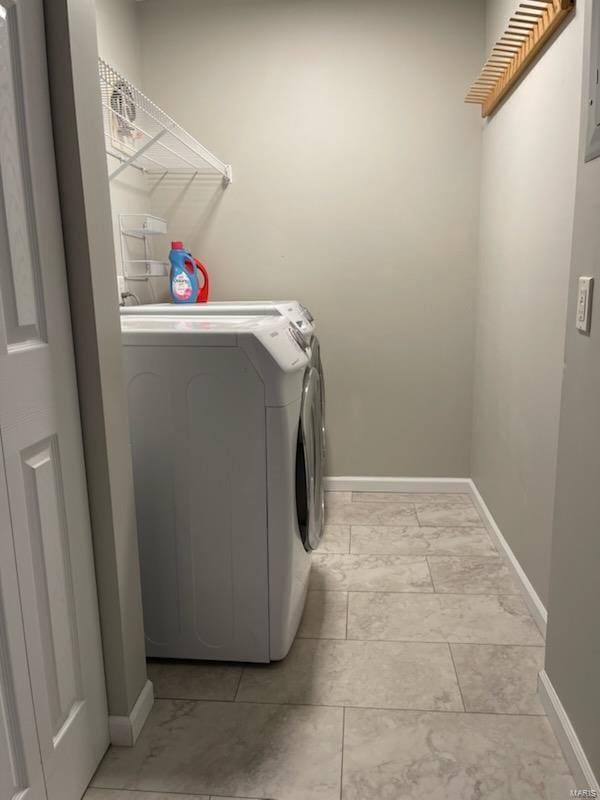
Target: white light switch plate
{"points": [[584, 304]]}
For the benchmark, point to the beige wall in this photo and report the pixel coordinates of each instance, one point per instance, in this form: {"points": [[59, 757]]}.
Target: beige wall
{"points": [[119, 43], [573, 649], [528, 186], [119, 37], [356, 182]]}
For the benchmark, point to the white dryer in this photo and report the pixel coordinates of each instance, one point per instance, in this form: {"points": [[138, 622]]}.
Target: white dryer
{"points": [[297, 313], [223, 414]]}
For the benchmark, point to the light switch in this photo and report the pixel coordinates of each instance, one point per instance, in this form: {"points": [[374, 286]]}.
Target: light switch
{"points": [[584, 304]]}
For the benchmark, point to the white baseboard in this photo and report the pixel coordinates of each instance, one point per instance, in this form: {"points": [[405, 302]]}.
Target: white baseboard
{"points": [[367, 484], [534, 603], [565, 733], [124, 731]]}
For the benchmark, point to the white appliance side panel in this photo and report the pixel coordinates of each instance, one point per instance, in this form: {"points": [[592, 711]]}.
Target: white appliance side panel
{"points": [[280, 363], [289, 561], [202, 510], [152, 434]]}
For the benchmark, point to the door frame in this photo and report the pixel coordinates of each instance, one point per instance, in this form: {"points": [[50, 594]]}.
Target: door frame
{"points": [[91, 273]]}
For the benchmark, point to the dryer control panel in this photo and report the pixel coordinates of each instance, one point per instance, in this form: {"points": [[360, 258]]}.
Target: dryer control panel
{"points": [[299, 316], [293, 311], [278, 352], [284, 343]]}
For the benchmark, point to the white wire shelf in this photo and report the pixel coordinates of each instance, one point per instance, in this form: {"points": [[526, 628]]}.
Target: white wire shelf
{"points": [[140, 134], [139, 245], [140, 225], [152, 269]]}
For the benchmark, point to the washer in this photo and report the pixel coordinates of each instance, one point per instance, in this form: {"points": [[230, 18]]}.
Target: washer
{"points": [[297, 313], [224, 415]]}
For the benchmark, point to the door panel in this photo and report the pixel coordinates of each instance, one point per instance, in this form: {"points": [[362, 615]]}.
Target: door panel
{"points": [[39, 424], [21, 776], [53, 580], [20, 297]]}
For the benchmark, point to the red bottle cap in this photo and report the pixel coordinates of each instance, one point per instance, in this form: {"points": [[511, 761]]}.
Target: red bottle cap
{"points": [[176, 245]]}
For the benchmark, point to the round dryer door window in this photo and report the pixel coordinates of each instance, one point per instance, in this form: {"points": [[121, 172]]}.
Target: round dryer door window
{"points": [[309, 469]]}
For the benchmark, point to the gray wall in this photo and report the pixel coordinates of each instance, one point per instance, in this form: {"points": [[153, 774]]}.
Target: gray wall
{"points": [[119, 43], [356, 183], [573, 643], [529, 166], [85, 207]]}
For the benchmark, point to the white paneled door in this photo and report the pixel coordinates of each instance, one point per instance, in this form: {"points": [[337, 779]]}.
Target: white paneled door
{"points": [[53, 718]]}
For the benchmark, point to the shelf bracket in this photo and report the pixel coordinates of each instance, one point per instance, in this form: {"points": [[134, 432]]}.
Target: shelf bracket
{"points": [[129, 161]]}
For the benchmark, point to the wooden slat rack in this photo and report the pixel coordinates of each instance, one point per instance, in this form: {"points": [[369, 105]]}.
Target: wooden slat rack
{"points": [[528, 30]]}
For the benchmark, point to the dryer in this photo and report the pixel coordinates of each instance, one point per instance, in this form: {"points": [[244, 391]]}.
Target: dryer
{"points": [[223, 416], [297, 313]]}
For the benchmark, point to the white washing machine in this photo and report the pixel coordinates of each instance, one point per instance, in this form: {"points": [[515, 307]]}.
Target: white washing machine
{"points": [[224, 416], [297, 313]]}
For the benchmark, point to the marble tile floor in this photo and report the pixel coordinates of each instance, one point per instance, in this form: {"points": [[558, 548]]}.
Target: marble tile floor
{"points": [[414, 674]]}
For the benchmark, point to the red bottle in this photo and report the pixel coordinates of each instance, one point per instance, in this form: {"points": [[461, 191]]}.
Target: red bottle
{"points": [[205, 287]]}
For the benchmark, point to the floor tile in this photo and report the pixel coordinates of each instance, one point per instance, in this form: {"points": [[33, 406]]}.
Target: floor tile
{"points": [[499, 679], [337, 498], [445, 498], [369, 674], [194, 680], [370, 573], [489, 619], [446, 513], [124, 794], [469, 575], [325, 615], [411, 540], [232, 749], [413, 755], [371, 514], [335, 539]]}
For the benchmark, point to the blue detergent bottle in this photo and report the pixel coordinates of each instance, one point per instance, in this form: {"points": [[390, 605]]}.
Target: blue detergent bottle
{"points": [[183, 279]]}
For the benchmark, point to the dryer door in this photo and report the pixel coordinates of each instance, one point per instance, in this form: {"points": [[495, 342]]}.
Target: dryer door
{"points": [[318, 364], [309, 471]]}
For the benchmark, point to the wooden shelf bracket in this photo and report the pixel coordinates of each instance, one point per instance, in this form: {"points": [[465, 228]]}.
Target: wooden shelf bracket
{"points": [[531, 26]]}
